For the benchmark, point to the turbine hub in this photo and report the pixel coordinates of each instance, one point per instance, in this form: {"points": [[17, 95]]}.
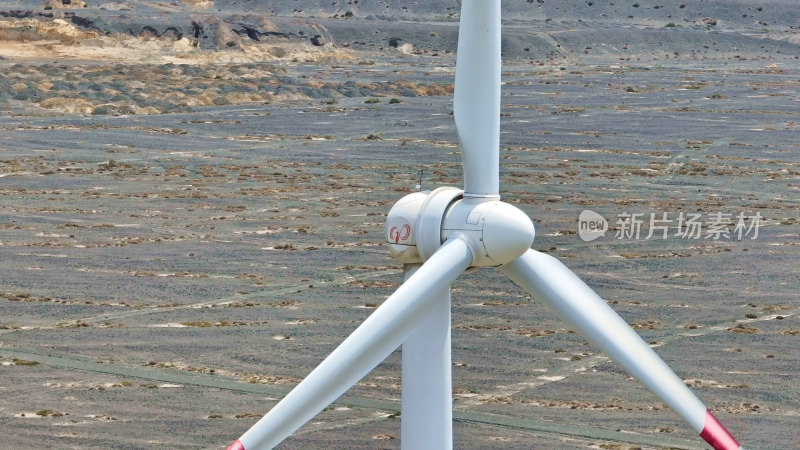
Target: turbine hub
{"points": [[419, 223]]}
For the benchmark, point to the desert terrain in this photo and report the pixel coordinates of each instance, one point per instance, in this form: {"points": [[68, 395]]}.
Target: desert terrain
{"points": [[192, 197]]}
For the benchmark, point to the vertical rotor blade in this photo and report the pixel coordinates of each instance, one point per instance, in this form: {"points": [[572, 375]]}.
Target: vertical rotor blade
{"points": [[476, 103], [550, 280], [427, 406], [376, 338]]}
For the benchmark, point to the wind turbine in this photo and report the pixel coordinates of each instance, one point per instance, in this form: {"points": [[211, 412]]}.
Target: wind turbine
{"points": [[440, 234]]}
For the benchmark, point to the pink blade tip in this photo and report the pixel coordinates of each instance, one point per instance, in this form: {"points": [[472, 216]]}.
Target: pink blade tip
{"points": [[716, 434], [236, 445]]}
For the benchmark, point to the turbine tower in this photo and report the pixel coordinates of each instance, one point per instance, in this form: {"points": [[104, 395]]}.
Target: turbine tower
{"points": [[440, 234]]}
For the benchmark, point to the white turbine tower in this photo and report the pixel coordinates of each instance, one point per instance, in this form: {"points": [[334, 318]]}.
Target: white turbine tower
{"points": [[439, 235]]}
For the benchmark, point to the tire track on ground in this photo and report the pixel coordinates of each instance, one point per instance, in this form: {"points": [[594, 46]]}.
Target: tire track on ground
{"points": [[260, 294], [651, 284], [70, 362]]}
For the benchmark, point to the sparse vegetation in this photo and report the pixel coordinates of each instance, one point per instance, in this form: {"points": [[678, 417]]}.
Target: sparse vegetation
{"points": [[206, 324], [742, 328], [23, 362]]}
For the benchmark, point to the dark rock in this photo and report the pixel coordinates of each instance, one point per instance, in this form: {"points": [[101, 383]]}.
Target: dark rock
{"points": [[252, 33], [80, 21], [318, 40], [19, 14], [197, 30], [171, 33], [148, 31]]}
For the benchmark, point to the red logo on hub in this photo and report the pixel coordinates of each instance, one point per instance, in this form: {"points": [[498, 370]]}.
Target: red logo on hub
{"points": [[400, 234]]}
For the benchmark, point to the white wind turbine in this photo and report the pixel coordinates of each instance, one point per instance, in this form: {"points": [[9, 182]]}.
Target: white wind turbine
{"points": [[439, 235]]}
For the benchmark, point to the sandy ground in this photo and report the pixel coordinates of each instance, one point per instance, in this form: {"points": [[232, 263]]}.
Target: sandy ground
{"points": [[182, 243]]}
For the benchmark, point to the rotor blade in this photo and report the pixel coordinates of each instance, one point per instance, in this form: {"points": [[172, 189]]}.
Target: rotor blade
{"points": [[374, 340], [427, 393], [550, 280], [476, 102]]}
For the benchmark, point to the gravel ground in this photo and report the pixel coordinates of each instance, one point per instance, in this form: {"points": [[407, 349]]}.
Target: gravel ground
{"points": [[169, 273]]}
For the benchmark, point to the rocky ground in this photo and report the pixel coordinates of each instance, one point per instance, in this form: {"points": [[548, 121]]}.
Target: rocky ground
{"points": [[152, 57], [192, 198]]}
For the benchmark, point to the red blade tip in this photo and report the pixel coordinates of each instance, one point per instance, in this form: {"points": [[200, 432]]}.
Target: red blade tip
{"points": [[716, 434], [236, 445]]}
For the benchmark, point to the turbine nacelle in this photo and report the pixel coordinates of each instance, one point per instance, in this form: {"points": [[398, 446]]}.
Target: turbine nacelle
{"points": [[419, 223]]}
